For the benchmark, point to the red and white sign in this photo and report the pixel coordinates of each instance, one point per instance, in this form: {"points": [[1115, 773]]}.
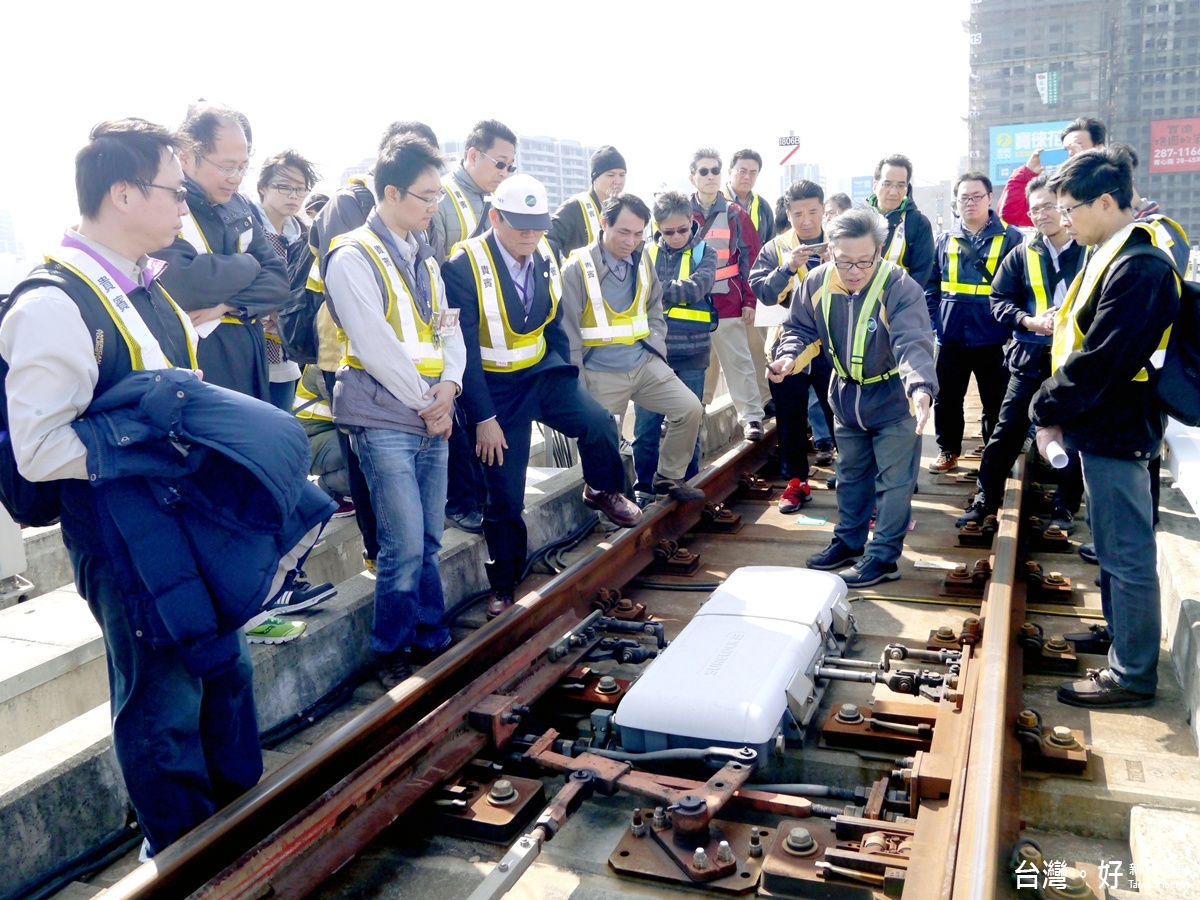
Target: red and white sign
{"points": [[1175, 145]]}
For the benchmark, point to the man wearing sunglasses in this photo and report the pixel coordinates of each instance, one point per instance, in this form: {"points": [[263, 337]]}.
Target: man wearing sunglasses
{"points": [[221, 268], [507, 286], [577, 222], [489, 158], [728, 233], [869, 318], [970, 341]]}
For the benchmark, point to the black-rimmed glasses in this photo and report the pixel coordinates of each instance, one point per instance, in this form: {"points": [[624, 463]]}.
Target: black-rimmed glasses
{"points": [[500, 164], [179, 192]]}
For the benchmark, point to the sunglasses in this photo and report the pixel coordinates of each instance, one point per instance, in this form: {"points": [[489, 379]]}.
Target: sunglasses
{"points": [[499, 164], [671, 232], [704, 172]]}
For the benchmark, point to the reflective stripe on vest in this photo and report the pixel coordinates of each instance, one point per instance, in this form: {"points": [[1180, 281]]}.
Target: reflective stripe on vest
{"points": [[500, 348], [1036, 273], [861, 328], [467, 220], [144, 349], [600, 325], [319, 410], [894, 252], [752, 210], [717, 237], [416, 336], [591, 215], [1068, 337], [952, 285], [685, 269]]}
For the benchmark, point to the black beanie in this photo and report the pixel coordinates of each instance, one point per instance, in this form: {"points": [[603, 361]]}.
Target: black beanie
{"points": [[607, 157]]}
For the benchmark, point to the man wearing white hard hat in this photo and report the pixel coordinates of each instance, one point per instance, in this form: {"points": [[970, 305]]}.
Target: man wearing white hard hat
{"points": [[507, 285]]}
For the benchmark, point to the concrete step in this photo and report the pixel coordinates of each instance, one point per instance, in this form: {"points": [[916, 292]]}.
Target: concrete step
{"points": [[1165, 864]]}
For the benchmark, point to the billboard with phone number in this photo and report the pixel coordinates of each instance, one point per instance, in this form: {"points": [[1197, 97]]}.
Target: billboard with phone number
{"points": [[1011, 145], [1175, 145]]}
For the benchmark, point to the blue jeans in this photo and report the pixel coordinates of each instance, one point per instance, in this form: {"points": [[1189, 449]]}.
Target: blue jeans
{"points": [[816, 418], [283, 394], [407, 474], [1121, 518], [186, 746], [876, 469], [647, 429]]}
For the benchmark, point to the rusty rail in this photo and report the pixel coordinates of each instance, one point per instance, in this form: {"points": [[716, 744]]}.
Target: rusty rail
{"points": [[280, 818]]}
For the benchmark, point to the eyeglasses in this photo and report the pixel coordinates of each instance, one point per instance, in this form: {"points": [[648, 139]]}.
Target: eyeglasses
{"points": [[429, 201], [894, 185], [179, 192], [671, 232], [705, 172], [1065, 211], [847, 265], [972, 198], [288, 190], [1036, 212], [229, 171], [743, 171], [500, 164]]}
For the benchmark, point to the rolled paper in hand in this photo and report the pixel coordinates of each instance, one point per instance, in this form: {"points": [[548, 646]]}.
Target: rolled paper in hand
{"points": [[1056, 454]]}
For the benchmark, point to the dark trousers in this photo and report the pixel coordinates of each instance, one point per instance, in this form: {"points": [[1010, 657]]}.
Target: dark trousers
{"points": [[647, 434], [555, 398], [1004, 446], [466, 492], [186, 746], [955, 365], [791, 415], [360, 491]]}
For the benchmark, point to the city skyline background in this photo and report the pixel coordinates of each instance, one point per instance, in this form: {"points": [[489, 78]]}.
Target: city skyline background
{"points": [[943, 81]]}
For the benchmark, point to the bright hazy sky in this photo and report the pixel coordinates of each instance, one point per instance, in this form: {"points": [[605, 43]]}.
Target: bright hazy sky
{"points": [[856, 79]]}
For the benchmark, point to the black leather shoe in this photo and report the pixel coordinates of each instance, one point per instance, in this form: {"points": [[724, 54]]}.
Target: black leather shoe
{"points": [[498, 603], [677, 489], [836, 556], [471, 522], [423, 657], [1101, 691], [976, 512], [1097, 639]]}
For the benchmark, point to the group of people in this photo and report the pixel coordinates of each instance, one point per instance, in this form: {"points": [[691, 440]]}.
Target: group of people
{"points": [[457, 310]]}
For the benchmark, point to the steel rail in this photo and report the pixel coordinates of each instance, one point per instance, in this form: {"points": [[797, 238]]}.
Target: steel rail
{"points": [[391, 722]]}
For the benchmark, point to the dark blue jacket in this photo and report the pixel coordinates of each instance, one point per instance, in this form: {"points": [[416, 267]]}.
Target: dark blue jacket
{"points": [[207, 489], [963, 318]]}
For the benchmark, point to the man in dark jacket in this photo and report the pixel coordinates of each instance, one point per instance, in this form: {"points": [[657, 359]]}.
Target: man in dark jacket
{"points": [[577, 222], [970, 341], [187, 744], [616, 331], [910, 236], [1030, 286], [223, 271], [777, 274], [858, 303], [507, 286], [1099, 401], [685, 270]]}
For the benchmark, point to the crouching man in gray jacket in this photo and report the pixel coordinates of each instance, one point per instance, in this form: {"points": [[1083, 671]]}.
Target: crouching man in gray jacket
{"points": [[869, 318]]}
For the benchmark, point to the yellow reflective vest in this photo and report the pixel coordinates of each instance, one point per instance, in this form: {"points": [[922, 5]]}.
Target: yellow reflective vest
{"points": [[866, 324], [417, 336], [600, 325], [1068, 336], [679, 312], [502, 349]]}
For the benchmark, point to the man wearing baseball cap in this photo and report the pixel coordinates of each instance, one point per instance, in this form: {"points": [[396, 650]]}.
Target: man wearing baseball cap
{"points": [[577, 222], [506, 283]]}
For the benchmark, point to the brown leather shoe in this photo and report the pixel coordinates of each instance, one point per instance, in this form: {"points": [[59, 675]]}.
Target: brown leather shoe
{"points": [[498, 603], [623, 511]]}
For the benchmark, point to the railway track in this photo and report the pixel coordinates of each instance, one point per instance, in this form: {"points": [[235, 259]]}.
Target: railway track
{"points": [[303, 822]]}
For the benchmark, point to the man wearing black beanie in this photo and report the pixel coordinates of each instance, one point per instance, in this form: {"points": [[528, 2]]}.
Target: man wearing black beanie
{"points": [[577, 222]]}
